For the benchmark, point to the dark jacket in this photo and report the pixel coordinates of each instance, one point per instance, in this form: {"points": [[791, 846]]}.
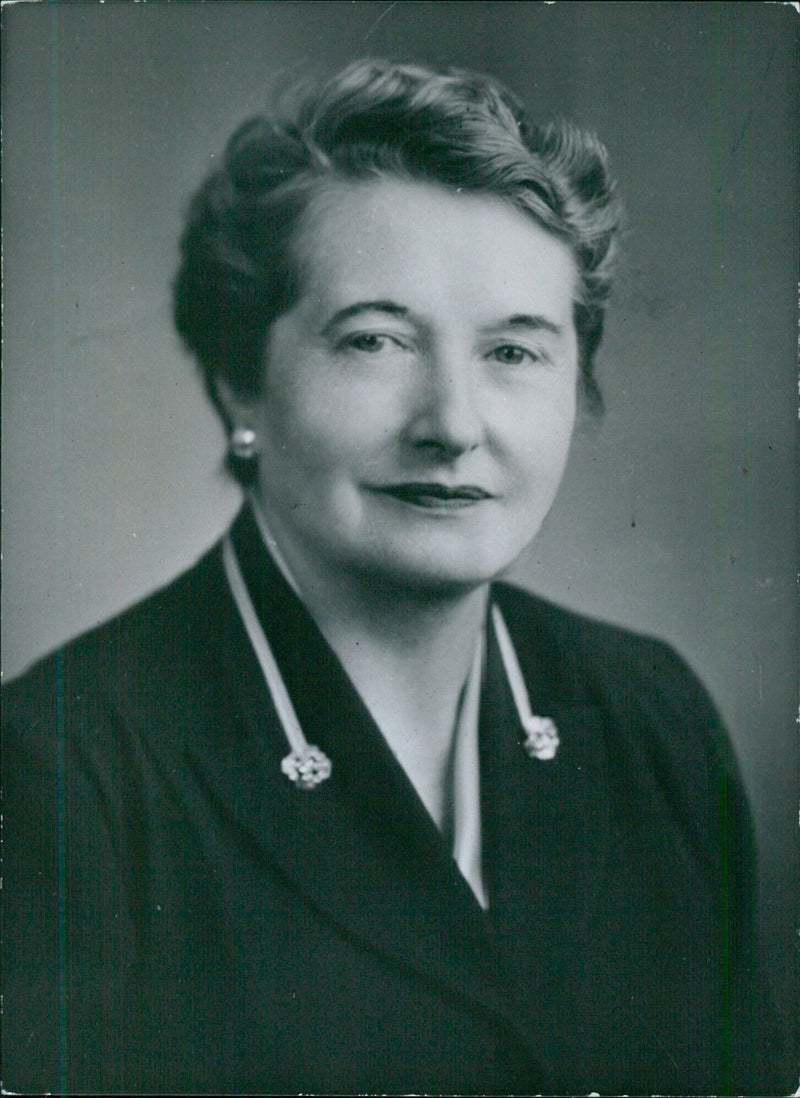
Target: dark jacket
{"points": [[180, 918]]}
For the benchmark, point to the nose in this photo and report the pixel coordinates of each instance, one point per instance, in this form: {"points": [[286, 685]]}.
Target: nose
{"points": [[447, 418]]}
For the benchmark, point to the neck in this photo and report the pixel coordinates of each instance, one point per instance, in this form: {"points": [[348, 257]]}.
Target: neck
{"points": [[422, 637], [426, 640], [409, 657]]}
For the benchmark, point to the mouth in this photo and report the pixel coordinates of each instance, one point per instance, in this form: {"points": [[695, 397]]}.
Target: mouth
{"points": [[432, 495]]}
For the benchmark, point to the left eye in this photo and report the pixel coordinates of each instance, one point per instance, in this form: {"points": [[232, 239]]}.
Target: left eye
{"points": [[509, 354]]}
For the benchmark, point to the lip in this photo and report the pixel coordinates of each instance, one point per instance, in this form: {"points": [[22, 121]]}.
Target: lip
{"points": [[433, 495]]}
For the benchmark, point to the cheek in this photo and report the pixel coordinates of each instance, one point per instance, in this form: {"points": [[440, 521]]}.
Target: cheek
{"points": [[321, 426], [540, 440]]}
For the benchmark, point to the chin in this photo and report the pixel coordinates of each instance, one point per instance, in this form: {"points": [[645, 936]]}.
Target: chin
{"points": [[439, 574]]}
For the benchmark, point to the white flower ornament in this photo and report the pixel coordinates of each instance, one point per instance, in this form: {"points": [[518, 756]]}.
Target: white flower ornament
{"points": [[541, 738], [307, 768]]}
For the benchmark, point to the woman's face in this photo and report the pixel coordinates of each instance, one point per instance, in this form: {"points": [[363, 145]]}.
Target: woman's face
{"points": [[419, 398]]}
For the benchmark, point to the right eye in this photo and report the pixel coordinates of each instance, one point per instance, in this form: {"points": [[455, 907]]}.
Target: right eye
{"points": [[369, 342], [372, 343]]}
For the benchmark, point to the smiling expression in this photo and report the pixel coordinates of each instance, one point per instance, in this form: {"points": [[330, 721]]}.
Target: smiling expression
{"points": [[419, 398]]}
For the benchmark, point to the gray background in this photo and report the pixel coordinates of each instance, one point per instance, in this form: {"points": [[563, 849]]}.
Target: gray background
{"points": [[678, 512]]}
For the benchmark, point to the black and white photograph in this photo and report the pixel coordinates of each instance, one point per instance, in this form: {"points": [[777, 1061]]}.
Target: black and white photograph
{"points": [[399, 548]]}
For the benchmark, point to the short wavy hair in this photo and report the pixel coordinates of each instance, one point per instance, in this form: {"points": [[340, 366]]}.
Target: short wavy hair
{"points": [[379, 119]]}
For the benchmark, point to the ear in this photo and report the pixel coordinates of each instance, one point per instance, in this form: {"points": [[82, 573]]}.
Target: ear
{"points": [[238, 411]]}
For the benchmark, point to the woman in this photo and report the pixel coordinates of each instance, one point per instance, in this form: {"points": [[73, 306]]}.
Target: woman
{"points": [[335, 811]]}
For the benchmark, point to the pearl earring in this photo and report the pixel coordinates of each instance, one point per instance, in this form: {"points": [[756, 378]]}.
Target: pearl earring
{"points": [[243, 443]]}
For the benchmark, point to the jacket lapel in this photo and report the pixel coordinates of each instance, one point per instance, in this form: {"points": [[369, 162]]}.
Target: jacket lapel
{"points": [[546, 823], [360, 847]]}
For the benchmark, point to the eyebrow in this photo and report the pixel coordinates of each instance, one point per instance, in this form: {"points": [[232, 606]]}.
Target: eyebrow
{"points": [[390, 307], [534, 323]]}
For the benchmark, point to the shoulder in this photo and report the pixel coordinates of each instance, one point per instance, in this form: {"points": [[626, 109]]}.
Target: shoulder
{"points": [[174, 606], [606, 656], [661, 728], [161, 638], [664, 742]]}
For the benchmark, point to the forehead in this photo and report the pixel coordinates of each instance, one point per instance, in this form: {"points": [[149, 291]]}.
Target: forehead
{"points": [[430, 249]]}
